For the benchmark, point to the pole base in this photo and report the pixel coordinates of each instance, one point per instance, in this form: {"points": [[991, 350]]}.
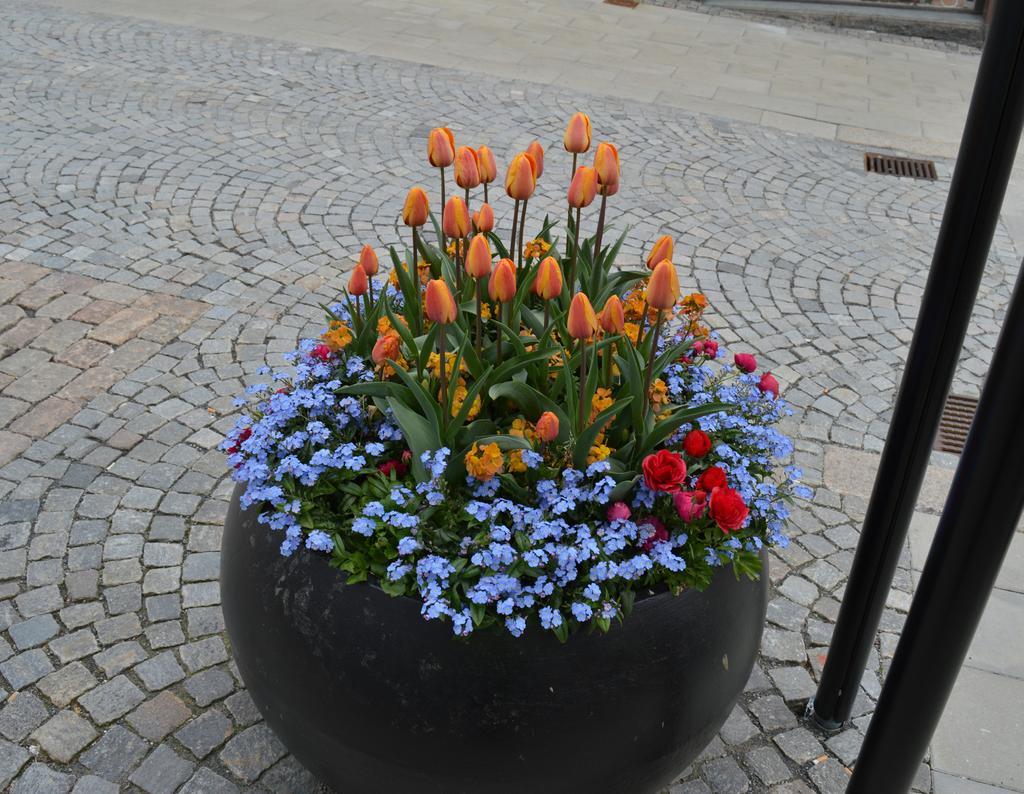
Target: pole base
{"points": [[829, 726]]}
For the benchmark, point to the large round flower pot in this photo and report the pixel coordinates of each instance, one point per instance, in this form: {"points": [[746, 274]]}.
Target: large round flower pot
{"points": [[373, 698]]}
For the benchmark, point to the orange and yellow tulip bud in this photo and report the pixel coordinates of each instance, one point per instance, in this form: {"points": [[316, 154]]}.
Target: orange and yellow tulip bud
{"points": [[583, 187], [485, 163], [662, 249], [478, 258], [467, 171], [582, 321], [613, 316], [547, 284], [368, 261], [417, 208], [455, 220], [502, 286], [441, 147], [520, 180], [606, 163], [438, 302], [663, 286], [547, 427], [358, 282], [483, 218], [385, 348], [536, 151], [577, 134]]}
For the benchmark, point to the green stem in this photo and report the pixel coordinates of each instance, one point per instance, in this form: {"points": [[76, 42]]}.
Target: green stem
{"points": [[568, 220], [444, 370], [600, 231], [643, 322], [486, 200], [522, 228], [608, 353], [479, 321], [515, 222], [444, 239], [650, 363], [415, 275], [583, 385], [575, 253]]}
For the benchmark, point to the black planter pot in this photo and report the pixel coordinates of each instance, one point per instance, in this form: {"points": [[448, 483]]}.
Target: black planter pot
{"points": [[373, 698]]}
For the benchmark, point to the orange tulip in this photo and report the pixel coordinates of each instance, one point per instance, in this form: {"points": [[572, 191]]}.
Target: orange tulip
{"points": [[577, 134], [416, 208], [478, 258], [467, 171], [582, 321], [439, 302], [663, 287], [520, 181], [385, 348], [357, 282], [441, 147], [547, 284], [547, 427], [613, 317], [485, 162], [368, 261], [583, 188], [606, 163], [483, 218], [502, 286], [662, 250], [536, 151], [455, 219]]}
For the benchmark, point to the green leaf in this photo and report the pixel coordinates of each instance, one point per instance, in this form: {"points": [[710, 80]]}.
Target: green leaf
{"points": [[666, 427], [420, 435], [620, 491], [430, 409], [533, 404]]}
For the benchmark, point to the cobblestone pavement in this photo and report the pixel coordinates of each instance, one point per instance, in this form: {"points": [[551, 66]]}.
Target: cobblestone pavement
{"points": [[174, 206]]}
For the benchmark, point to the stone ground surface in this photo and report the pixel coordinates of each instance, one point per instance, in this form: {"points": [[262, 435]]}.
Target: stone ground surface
{"points": [[174, 206]]}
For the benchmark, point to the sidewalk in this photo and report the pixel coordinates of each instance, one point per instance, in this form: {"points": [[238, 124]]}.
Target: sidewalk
{"points": [[176, 201]]}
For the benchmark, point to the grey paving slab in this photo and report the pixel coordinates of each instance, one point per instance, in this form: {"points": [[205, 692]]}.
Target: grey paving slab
{"points": [[164, 237]]}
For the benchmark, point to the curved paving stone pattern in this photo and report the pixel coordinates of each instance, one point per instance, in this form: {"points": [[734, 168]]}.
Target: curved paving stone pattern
{"points": [[175, 204]]}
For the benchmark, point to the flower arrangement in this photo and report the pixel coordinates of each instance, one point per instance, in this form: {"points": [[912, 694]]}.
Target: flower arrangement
{"points": [[469, 430]]}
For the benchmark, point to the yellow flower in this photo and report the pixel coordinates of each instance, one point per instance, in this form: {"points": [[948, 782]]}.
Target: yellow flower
{"points": [[434, 365], [632, 331], [515, 461], [633, 306], [452, 247], [602, 399], [523, 429], [337, 335], [659, 394], [459, 398], [485, 311], [536, 248], [599, 451], [484, 462], [695, 303]]}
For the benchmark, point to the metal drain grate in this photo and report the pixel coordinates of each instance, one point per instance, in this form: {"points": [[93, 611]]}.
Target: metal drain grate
{"points": [[623, 3], [955, 424], [875, 163]]}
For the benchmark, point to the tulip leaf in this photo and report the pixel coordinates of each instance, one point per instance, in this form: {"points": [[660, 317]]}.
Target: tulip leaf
{"points": [[428, 405], [664, 428], [403, 331], [532, 403], [505, 442], [419, 434], [467, 405]]}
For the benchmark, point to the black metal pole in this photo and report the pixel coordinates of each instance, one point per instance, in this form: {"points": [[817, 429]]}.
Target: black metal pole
{"points": [[977, 525], [972, 210]]}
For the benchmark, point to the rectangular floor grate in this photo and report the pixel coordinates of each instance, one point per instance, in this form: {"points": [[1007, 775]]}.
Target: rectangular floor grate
{"points": [[955, 424], [875, 163]]}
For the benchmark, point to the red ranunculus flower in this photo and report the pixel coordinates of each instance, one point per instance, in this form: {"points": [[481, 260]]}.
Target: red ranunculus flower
{"points": [[697, 444], [322, 352], [243, 436], [768, 384], [396, 466], [746, 362], [712, 477], [727, 509], [664, 471], [710, 348]]}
